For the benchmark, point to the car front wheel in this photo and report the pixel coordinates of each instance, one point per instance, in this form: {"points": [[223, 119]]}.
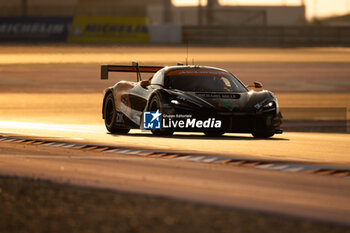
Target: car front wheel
{"points": [[155, 105]]}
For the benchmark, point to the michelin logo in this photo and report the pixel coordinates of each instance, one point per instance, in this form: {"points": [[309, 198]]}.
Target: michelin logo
{"points": [[33, 28], [151, 120]]}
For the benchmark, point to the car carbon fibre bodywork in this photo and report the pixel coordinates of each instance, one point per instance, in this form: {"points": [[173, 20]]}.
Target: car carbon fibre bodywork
{"points": [[180, 90]]}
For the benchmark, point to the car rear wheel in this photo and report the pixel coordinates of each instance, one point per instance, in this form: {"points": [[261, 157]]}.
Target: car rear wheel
{"points": [[110, 114], [155, 105]]}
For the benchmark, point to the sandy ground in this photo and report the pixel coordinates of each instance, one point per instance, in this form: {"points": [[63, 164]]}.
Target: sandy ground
{"points": [[72, 209], [83, 78], [64, 68], [166, 55]]}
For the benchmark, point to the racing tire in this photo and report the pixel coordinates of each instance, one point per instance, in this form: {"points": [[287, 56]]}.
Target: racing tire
{"points": [[110, 114], [155, 105], [262, 134]]}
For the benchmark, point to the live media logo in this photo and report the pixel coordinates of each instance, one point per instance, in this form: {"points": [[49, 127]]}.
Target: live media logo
{"points": [[151, 120]]}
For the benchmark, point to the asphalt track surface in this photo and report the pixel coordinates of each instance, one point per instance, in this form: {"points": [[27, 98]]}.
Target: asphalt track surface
{"points": [[324, 198], [301, 195], [307, 147]]}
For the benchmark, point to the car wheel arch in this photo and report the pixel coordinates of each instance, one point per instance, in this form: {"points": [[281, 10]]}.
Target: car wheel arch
{"points": [[153, 94]]}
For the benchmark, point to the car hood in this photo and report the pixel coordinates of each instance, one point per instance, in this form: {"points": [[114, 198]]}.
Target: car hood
{"points": [[224, 101]]}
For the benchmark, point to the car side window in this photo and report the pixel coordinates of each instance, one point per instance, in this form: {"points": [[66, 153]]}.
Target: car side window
{"points": [[158, 78]]}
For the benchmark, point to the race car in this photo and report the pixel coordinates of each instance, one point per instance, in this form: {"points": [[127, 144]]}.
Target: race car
{"points": [[188, 98]]}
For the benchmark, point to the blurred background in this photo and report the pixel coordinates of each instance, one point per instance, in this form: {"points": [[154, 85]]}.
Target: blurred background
{"points": [[229, 22]]}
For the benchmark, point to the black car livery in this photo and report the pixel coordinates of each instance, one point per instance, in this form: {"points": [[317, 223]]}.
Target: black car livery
{"points": [[188, 98]]}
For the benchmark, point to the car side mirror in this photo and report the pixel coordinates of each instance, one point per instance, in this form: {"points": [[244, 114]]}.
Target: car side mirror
{"points": [[258, 84], [145, 83]]}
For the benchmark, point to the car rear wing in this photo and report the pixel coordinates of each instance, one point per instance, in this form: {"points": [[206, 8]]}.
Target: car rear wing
{"points": [[105, 69]]}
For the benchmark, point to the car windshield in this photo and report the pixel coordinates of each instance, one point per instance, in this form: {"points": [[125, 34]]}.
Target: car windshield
{"points": [[203, 80]]}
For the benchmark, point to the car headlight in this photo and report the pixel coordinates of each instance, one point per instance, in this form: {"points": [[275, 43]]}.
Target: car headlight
{"points": [[269, 104], [175, 102], [178, 104]]}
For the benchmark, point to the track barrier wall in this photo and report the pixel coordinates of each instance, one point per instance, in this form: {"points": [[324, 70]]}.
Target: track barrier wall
{"points": [[94, 29], [35, 29], [269, 36]]}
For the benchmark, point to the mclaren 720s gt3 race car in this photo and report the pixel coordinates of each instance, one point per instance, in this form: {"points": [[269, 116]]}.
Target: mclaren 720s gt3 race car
{"points": [[188, 98]]}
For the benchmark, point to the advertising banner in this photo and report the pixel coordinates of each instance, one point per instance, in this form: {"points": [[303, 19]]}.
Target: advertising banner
{"points": [[109, 29], [33, 29]]}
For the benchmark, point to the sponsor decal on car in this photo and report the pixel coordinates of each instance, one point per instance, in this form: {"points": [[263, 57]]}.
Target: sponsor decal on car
{"points": [[218, 95], [157, 120]]}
